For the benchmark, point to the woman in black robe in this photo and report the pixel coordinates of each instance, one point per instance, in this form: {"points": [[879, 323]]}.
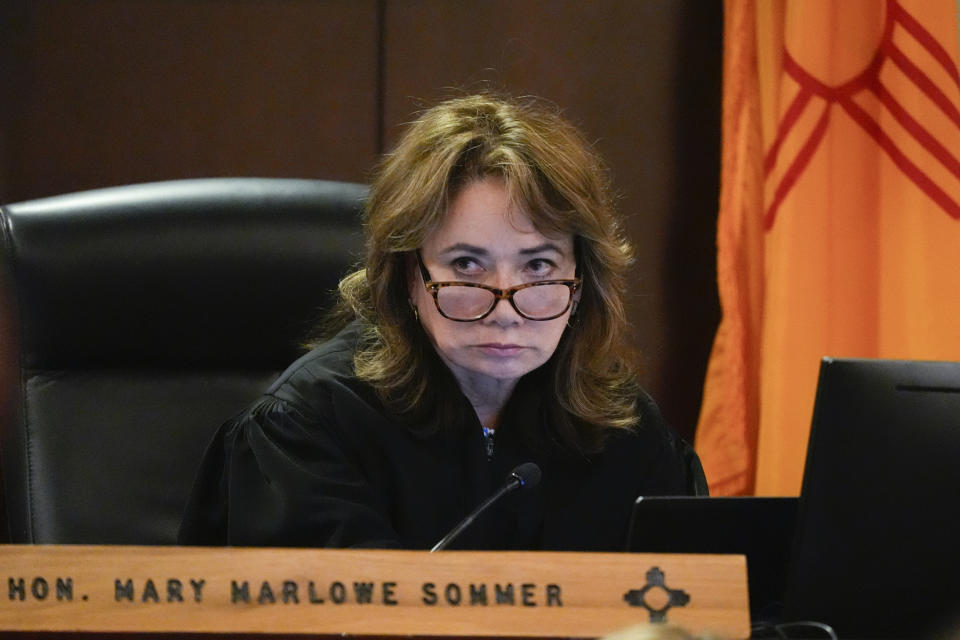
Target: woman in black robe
{"points": [[486, 330]]}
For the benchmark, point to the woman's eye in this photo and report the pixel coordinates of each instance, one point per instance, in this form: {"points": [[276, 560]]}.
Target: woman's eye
{"points": [[540, 266], [466, 266]]}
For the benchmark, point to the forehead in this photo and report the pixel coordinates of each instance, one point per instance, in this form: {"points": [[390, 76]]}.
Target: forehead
{"points": [[482, 214]]}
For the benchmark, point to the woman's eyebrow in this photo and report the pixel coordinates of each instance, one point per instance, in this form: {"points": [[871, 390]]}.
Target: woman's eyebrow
{"points": [[469, 248], [541, 248]]}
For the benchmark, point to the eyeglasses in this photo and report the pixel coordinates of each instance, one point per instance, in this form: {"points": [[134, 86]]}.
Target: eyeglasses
{"points": [[469, 301]]}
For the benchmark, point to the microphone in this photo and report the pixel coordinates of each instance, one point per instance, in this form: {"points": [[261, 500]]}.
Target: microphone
{"points": [[524, 476]]}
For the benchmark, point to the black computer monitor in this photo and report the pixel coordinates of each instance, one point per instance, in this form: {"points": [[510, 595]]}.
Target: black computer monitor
{"points": [[877, 546], [759, 528]]}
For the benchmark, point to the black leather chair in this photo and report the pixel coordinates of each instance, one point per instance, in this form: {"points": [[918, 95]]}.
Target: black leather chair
{"points": [[135, 320]]}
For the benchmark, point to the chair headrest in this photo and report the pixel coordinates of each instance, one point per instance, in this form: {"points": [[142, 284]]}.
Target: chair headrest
{"points": [[190, 273]]}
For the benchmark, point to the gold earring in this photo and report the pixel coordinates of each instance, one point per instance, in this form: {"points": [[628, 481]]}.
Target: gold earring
{"points": [[413, 307]]}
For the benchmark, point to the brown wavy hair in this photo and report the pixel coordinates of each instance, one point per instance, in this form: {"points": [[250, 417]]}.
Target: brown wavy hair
{"points": [[550, 172]]}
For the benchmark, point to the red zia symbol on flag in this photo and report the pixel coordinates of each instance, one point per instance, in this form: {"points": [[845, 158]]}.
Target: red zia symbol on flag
{"points": [[898, 21]]}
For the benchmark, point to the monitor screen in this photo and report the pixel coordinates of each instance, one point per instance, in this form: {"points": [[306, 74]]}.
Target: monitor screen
{"points": [[877, 546], [759, 528]]}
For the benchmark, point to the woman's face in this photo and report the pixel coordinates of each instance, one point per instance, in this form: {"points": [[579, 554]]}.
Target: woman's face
{"points": [[485, 239]]}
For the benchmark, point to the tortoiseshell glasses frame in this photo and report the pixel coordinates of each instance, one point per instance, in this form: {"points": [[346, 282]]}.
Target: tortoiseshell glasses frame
{"points": [[434, 288]]}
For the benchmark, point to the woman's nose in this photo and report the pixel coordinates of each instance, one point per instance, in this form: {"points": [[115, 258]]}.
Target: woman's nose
{"points": [[503, 314], [503, 310]]}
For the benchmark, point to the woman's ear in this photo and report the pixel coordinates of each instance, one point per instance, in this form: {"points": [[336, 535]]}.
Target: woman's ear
{"points": [[576, 298], [575, 302], [577, 257], [414, 284]]}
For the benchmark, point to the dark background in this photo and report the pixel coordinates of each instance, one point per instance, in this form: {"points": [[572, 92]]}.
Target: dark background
{"points": [[107, 92]]}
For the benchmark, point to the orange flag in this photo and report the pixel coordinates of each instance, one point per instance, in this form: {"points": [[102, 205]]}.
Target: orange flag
{"points": [[839, 224]]}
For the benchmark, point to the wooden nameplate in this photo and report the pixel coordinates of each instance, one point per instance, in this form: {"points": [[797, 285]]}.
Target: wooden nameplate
{"points": [[327, 591]]}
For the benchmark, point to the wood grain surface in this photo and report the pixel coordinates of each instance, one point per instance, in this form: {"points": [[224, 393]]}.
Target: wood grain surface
{"points": [[518, 594]]}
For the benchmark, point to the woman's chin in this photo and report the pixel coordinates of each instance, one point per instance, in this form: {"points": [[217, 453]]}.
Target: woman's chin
{"points": [[501, 368]]}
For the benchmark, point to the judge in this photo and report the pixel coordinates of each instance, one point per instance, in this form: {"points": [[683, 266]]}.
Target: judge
{"points": [[486, 329]]}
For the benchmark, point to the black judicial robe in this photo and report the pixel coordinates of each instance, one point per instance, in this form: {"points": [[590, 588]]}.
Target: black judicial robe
{"points": [[318, 461]]}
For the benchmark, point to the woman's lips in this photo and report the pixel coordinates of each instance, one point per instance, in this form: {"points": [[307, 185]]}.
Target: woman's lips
{"points": [[501, 350]]}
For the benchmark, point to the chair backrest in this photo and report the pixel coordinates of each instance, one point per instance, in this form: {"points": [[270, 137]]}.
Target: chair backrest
{"points": [[135, 320]]}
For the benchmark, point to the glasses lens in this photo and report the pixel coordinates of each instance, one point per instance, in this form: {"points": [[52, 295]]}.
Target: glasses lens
{"points": [[464, 303], [542, 301]]}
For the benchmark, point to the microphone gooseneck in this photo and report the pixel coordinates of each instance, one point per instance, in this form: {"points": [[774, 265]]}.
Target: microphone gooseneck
{"points": [[524, 476]]}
